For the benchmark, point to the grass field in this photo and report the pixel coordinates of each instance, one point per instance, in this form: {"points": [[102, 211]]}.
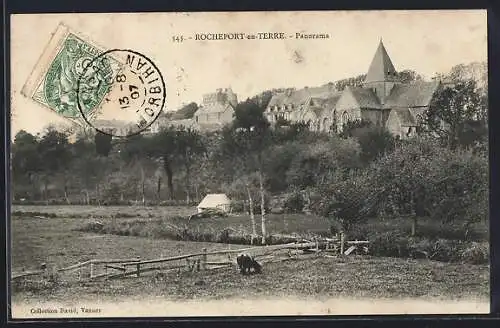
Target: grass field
{"points": [[56, 242]]}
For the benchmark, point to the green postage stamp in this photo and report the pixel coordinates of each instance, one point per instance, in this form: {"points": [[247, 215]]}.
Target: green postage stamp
{"points": [[88, 85], [54, 82]]}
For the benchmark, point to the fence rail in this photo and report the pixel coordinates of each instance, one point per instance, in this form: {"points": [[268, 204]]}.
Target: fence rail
{"points": [[197, 261]]}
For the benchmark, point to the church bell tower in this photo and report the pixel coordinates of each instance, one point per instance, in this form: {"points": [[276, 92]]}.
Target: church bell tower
{"points": [[382, 75]]}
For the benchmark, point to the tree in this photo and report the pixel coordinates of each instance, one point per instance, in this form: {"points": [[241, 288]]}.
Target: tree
{"points": [[357, 81], [55, 157], [138, 152], [451, 109], [163, 147], [187, 111], [103, 143], [408, 76], [243, 186], [189, 145], [26, 161], [252, 134], [373, 140], [347, 201], [88, 168]]}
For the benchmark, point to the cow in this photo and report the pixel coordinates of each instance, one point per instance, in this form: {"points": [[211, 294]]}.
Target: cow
{"points": [[246, 263]]}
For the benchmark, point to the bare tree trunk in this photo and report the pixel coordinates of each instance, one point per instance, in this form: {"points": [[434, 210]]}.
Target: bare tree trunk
{"points": [[262, 208], [98, 197], [66, 190], [143, 186], [158, 189], [197, 192], [252, 216], [66, 196], [414, 226], [45, 192], [168, 171], [188, 182]]}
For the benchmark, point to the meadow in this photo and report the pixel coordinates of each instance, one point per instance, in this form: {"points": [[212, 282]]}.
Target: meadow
{"points": [[58, 241]]}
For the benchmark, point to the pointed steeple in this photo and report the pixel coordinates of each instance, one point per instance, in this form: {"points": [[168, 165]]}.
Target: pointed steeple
{"points": [[381, 69]]}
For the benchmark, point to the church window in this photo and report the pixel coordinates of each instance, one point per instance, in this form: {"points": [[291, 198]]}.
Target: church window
{"points": [[345, 118]]}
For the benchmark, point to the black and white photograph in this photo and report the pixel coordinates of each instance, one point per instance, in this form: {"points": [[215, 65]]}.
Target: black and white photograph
{"points": [[249, 164]]}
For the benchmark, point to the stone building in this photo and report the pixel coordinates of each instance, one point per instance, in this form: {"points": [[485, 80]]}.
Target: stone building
{"points": [[383, 100], [217, 108], [215, 111]]}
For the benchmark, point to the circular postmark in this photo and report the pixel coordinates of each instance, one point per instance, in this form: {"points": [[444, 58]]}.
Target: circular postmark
{"points": [[135, 92]]}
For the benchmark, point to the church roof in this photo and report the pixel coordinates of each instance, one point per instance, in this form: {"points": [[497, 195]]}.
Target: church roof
{"points": [[381, 67], [365, 98], [298, 97], [416, 94]]}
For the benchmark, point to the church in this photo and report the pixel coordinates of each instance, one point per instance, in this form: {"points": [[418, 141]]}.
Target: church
{"points": [[382, 99]]}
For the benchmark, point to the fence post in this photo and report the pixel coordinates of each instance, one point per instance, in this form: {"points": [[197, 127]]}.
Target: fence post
{"points": [[91, 270], [138, 266], [204, 260], [342, 243]]}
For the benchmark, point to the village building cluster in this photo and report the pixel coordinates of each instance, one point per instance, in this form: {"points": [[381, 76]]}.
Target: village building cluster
{"points": [[383, 100]]}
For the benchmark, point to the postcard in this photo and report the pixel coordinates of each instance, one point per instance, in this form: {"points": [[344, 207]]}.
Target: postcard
{"points": [[249, 163]]}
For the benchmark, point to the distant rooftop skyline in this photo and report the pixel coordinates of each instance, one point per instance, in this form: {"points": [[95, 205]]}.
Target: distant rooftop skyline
{"points": [[428, 42]]}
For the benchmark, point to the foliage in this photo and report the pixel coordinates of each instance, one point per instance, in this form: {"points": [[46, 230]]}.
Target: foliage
{"points": [[185, 112], [453, 111], [294, 203], [352, 82]]}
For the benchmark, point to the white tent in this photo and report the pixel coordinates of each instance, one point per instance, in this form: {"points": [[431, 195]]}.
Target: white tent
{"points": [[215, 201]]}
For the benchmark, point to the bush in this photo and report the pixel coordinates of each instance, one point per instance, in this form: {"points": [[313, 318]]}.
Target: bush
{"points": [[476, 253], [294, 203], [390, 244], [237, 206]]}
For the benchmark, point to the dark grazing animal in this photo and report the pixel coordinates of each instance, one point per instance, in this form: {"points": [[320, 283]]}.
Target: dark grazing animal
{"points": [[246, 263]]}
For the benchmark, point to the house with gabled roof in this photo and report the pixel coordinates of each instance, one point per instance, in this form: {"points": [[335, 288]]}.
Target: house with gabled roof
{"points": [[382, 100], [217, 108]]}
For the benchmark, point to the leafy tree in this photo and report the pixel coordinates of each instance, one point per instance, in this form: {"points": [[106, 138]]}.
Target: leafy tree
{"points": [[25, 161], [55, 155], [252, 135], [407, 76], [357, 81], [354, 127], [189, 146], [138, 152], [451, 109], [103, 143], [347, 202], [187, 111], [163, 147], [88, 168], [373, 140]]}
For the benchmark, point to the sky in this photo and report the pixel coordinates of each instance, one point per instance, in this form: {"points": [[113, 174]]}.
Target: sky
{"points": [[424, 41]]}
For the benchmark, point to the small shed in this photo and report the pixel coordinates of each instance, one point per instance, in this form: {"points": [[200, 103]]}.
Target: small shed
{"points": [[215, 201]]}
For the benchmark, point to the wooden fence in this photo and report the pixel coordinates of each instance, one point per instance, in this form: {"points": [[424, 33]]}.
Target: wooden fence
{"points": [[119, 268]]}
